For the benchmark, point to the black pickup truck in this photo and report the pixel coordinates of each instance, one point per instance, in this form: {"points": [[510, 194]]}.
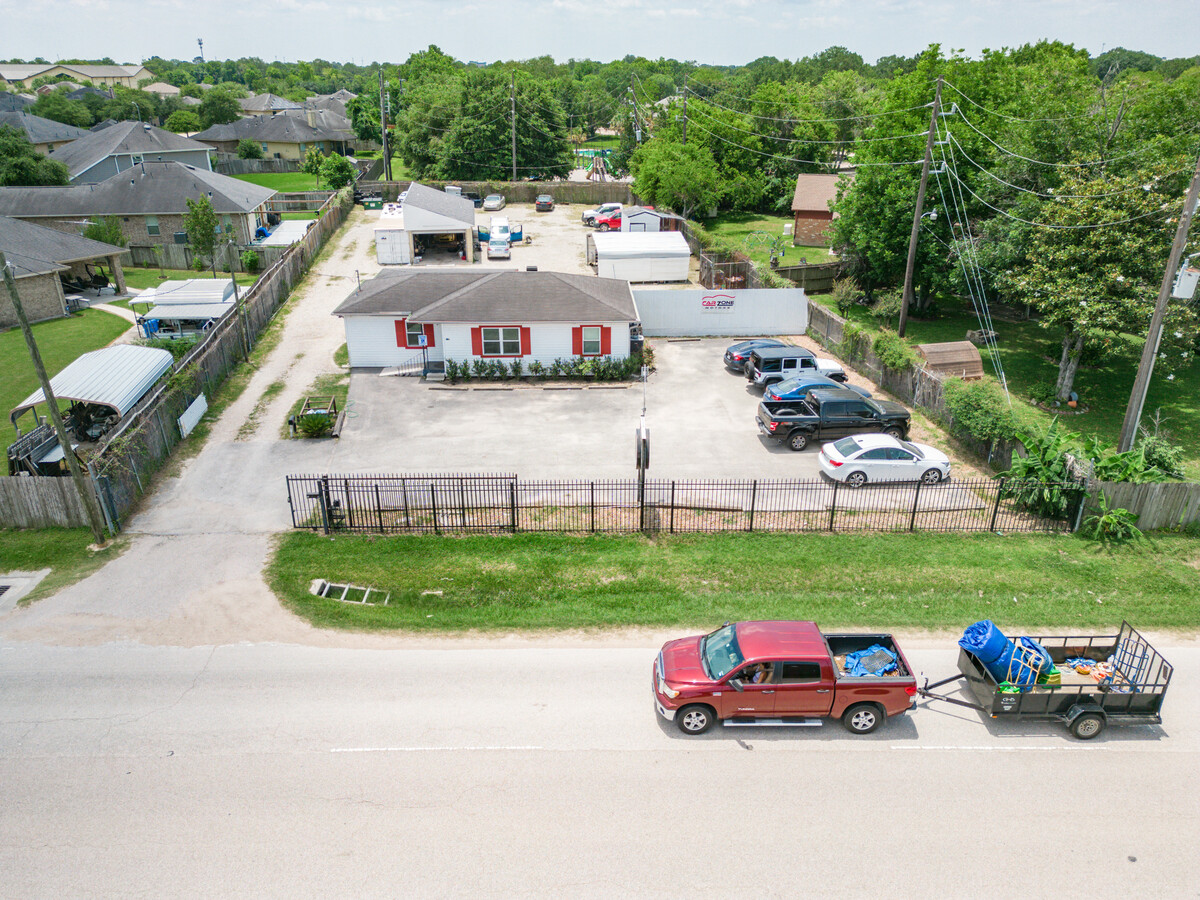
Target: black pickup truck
{"points": [[828, 415]]}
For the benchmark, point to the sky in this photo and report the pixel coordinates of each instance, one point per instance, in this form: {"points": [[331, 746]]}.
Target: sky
{"points": [[728, 32]]}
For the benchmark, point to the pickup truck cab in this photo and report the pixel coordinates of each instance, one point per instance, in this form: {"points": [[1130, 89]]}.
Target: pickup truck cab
{"points": [[781, 673], [610, 222], [828, 415]]}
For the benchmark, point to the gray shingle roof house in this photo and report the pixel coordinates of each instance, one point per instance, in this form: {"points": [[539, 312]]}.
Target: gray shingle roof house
{"points": [[44, 134], [38, 255], [150, 200], [286, 136], [267, 105], [13, 102], [466, 315], [123, 145]]}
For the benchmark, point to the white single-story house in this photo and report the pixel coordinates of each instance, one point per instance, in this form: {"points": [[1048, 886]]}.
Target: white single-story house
{"points": [[639, 255], [647, 218], [453, 314]]}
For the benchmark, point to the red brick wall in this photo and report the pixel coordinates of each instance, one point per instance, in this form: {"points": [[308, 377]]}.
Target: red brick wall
{"points": [[811, 229]]}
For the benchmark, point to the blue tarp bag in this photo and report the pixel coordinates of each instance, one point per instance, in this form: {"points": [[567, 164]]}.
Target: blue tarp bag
{"points": [[985, 642], [875, 660]]}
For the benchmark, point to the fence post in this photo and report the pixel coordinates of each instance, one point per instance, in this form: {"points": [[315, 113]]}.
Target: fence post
{"points": [[512, 503], [379, 508], [833, 505], [753, 498], [433, 506], [462, 501], [592, 502], [1081, 496], [323, 497], [912, 523], [671, 530], [996, 506], [404, 497], [349, 503]]}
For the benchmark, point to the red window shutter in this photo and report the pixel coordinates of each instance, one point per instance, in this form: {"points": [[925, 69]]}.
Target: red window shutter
{"points": [[429, 335], [477, 341], [577, 341], [526, 342], [605, 340], [401, 333]]}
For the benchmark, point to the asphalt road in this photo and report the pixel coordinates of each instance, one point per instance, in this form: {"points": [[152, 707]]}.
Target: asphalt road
{"points": [[285, 771]]}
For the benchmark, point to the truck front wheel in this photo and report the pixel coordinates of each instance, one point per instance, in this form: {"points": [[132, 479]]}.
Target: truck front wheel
{"points": [[798, 440], [695, 719], [862, 718], [1087, 726]]}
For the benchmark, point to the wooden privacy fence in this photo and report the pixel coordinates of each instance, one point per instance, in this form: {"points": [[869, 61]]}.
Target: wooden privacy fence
{"points": [[135, 449], [397, 504], [231, 164], [32, 502], [589, 193], [1157, 505]]}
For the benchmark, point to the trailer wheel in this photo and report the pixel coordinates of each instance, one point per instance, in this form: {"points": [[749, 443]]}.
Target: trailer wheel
{"points": [[1088, 726], [695, 719], [862, 718]]}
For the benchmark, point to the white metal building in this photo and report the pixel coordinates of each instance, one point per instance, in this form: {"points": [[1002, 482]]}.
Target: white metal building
{"points": [[400, 316], [729, 313], [188, 290], [639, 256], [393, 247], [646, 218], [426, 214]]}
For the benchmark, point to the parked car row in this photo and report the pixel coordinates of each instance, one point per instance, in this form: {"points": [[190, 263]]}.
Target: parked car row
{"points": [[806, 400]]}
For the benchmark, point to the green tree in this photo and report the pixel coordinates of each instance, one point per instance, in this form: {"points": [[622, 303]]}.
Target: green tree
{"points": [[336, 172], [218, 107], [312, 161], [106, 231], [56, 106], [248, 149], [21, 164], [682, 177], [1093, 273], [200, 223], [183, 121]]}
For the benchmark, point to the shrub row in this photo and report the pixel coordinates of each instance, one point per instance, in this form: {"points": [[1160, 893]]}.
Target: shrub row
{"points": [[601, 369]]}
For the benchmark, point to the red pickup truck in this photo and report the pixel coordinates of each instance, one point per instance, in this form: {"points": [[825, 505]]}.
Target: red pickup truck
{"points": [[781, 673]]}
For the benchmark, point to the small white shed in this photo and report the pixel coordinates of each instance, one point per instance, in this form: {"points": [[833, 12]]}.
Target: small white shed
{"points": [[639, 255], [392, 245], [647, 218]]}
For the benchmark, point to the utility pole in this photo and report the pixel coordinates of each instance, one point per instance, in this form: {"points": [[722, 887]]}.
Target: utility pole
{"points": [[86, 493], [513, 98], [907, 296], [387, 156], [685, 109], [1141, 384]]}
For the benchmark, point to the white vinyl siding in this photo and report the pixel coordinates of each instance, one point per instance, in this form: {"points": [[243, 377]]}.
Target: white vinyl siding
{"points": [[548, 341]]}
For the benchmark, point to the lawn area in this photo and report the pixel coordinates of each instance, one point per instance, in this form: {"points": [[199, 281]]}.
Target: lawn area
{"points": [[148, 278], [60, 341], [602, 142], [935, 581], [62, 550], [736, 227], [399, 171], [283, 181], [1029, 355], [302, 214]]}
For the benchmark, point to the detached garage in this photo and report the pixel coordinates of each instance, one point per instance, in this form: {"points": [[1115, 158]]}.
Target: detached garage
{"points": [[399, 317], [639, 255], [425, 216]]}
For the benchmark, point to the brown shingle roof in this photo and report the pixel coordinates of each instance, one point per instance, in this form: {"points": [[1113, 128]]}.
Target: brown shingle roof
{"points": [[814, 193]]}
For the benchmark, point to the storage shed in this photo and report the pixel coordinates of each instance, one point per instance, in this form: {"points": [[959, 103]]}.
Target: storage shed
{"points": [[392, 244], [956, 359], [647, 218], [639, 255]]}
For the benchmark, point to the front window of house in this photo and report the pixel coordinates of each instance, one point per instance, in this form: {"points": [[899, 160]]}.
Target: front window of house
{"points": [[503, 341], [152, 225], [413, 333], [591, 340]]}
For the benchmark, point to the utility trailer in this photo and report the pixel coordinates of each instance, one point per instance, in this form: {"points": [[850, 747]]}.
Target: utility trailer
{"points": [[1132, 695]]}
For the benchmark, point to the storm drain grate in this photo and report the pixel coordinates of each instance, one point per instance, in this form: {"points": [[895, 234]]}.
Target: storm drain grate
{"points": [[3, 588]]}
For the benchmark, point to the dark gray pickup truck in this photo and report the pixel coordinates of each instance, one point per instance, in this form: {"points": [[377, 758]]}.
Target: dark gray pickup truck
{"points": [[828, 415]]}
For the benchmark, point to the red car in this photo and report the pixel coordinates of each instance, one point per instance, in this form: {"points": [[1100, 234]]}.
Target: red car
{"points": [[781, 673], [610, 222]]}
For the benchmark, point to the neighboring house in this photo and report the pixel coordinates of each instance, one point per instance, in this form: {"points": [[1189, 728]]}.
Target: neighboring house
{"points": [[464, 316], [267, 105], [118, 147], [150, 202], [13, 102], [54, 86], [287, 136], [44, 134], [335, 102], [80, 93], [161, 89], [812, 207], [124, 76], [39, 256], [647, 218], [102, 124]]}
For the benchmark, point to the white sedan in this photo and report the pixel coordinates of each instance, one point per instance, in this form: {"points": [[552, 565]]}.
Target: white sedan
{"points": [[862, 458]]}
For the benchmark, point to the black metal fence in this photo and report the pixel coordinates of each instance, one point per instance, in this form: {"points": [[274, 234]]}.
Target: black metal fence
{"points": [[397, 504]]}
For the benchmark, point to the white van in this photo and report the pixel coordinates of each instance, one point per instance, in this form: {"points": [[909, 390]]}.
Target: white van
{"points": [[499, 229]]}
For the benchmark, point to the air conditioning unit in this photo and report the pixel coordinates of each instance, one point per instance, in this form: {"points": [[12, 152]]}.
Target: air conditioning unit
{"points": [[181, 237]]}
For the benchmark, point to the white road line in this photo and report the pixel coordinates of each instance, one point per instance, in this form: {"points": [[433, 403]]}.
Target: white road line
{"points": [[424, 749], [987, 749]]}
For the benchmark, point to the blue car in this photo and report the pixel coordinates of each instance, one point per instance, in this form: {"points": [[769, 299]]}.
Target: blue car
{"points": [[736, 356], [798, 388]]}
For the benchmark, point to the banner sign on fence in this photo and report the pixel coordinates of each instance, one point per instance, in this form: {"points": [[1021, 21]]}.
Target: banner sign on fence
{"points": [[748, 312], [716, 303], [192, 414]]}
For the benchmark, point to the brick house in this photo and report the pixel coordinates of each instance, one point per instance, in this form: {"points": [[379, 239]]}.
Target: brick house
{"points": [[150, 201], [39, 256], [289, 135], [812, 207], [122, 146]]}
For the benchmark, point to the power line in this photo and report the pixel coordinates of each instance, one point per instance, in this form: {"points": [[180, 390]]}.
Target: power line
{"points": [[889, 112], [1017, 118], [815, 162], [772, 137]]}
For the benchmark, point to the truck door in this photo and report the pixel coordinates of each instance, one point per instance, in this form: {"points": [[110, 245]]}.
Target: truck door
{"points": [[753, 699], [801, 690]]}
